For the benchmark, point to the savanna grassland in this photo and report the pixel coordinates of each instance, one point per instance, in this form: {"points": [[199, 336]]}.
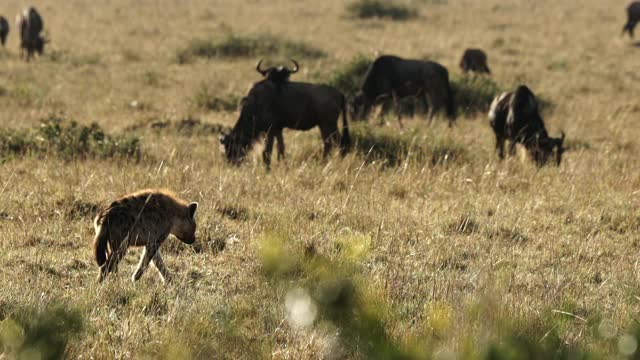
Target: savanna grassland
{"points": [[418, 244]]}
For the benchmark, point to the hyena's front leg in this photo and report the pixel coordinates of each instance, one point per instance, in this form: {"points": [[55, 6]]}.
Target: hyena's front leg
{"points": [[147, 254], [159, 264]]}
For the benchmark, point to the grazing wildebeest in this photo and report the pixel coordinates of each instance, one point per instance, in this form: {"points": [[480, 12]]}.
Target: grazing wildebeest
{"points": [[270, 107], [474, 60], [278, 74], [391, 76], [4, 30], [633, 17], [515, 116], [30, 24]]}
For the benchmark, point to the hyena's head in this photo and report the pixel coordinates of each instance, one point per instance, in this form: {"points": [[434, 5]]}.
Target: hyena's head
{"points": [[184, 226]]}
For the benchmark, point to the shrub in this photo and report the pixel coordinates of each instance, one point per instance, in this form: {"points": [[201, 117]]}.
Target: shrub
{"points": [[67, 139], [365, 9], [349, 78], [31, 334], [236, 46], [473, 94], [206, 100]]}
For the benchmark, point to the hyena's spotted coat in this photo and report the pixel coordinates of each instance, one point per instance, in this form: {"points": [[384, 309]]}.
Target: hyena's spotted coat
{"points": [[144, 218]]}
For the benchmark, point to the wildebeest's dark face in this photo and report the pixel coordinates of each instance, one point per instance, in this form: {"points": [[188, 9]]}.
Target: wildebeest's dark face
{"points": [[358, 107], [234, 150], [543, 150], [237, 143]]}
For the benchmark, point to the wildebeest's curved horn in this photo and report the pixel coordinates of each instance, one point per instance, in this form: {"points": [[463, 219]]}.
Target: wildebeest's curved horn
{"points": [[297, 67], [562, 136], [258, 69]]}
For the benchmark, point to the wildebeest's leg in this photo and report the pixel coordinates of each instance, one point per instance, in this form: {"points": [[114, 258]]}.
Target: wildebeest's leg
{"points": [[148, 253], [280, 145], [159, 264], [512, 148], [500, 146], [268, 148], [384, 109], [330, 136], [429, 100], [425, 102], [396, 104]]}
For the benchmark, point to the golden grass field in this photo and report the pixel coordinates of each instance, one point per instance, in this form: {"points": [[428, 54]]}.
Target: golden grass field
{"points": [[448, 257]]}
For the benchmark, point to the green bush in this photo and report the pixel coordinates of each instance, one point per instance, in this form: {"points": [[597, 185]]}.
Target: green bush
{"points": [[237, 46], [474, 94], [205, 99], [349, 78], [67, 139], [32, 334], [365, 9]]}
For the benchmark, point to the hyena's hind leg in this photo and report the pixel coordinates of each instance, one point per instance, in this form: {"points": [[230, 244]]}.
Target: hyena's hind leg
{"points": [[113, 259], [159, 264], [148, 253]]}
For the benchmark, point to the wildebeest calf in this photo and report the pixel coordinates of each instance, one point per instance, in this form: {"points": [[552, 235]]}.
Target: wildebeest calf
{"points": [[633, 17], [514, 116], [271, 107], [144, 218], [4, 30], [393, 77], [474, 60]]}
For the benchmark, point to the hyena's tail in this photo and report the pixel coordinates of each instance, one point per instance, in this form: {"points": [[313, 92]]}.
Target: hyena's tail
{"points": [[100, 245]]}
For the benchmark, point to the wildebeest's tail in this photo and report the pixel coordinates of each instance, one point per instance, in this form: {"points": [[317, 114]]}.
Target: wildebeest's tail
{"points": [[100, 245], [345, 139]]}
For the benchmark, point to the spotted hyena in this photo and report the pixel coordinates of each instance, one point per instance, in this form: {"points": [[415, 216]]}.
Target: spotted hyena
{"points": [[144, 218]]}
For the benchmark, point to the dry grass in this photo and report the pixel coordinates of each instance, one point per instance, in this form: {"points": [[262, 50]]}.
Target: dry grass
{"points": [[435, 246]]}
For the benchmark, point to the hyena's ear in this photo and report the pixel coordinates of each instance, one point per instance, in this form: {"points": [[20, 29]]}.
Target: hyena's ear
{"points": [[192, 209]]}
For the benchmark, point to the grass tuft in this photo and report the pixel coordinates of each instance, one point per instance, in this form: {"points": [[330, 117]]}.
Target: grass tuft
{"points": [[376, 145], [205, 99], [32, 334], [366, 9], [349, 78], [474, 94], [239, 46]]}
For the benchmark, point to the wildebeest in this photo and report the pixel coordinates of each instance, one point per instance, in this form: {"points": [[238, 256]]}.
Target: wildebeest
{"points": [[4, 30], [515, 116], [278, 74], [271, 107], [30, 24], [394, 77], [633, 17], [474, 60]]}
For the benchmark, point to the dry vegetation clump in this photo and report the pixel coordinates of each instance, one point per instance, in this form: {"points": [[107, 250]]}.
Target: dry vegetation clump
{"points": [[240, 46], [366, 9], [413, 147], [473, 94], [189, 126], [207, 98]]}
